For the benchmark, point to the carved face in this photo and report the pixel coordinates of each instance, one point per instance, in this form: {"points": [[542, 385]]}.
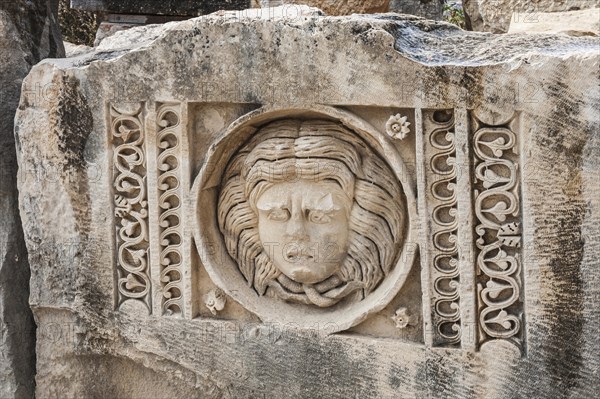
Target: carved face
{"points": [[303, 226], [310, 213]]}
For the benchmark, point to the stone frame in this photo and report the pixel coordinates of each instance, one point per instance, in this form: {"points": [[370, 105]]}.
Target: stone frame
{"points": [[456, 289]]}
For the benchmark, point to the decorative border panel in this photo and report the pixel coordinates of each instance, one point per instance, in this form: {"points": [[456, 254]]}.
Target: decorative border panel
{"points": [[130, 203], [471, 236], [169, 128], [442, 247], [498, 216]]}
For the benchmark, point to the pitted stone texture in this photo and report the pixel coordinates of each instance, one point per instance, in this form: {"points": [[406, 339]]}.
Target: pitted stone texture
{"points": [[28, 33], [227, 72], [495, 15]]}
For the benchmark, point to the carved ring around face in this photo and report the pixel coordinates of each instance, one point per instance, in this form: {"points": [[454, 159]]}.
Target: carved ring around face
{"points": [[310, 213]]}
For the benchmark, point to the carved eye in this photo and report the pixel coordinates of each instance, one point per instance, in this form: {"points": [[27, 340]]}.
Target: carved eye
{"points": [[279, 215], [319, 217]]}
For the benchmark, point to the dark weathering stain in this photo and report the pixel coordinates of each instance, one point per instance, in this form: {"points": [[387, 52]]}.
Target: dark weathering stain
{"points": [[396, 375], [438, 378], [360, 27], [565, 341], [311, 367], [471, 81], [72, 122]]}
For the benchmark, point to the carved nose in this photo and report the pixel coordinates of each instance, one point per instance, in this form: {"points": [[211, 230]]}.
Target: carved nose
{"points": [[296, 228]]}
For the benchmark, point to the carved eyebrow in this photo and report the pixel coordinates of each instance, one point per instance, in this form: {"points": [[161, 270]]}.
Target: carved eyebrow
{"points": [[271, 206], [326, 210], [325, 204]]}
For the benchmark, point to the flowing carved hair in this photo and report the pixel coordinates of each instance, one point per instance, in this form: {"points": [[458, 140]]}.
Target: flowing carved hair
{"points": [[287, 150]]}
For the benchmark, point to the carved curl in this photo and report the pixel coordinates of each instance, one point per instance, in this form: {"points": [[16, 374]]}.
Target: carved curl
{"points": [[287, 150]]}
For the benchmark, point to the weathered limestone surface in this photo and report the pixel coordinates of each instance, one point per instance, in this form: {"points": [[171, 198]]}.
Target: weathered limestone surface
{"points": [[107, 29], [574, 23], [28, 33], [73, 50], [488, 146], [495, 15], [431, 9], [333, 7]]}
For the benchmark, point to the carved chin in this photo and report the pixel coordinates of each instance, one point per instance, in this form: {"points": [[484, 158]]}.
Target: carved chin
{"points": [[303, 269], [304, 275]]}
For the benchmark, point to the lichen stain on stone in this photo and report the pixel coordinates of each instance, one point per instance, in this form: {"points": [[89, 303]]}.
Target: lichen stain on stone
{"points": [[441, 378], [471, 82], [71, 120], [397, 375], [339, 372], [565, 111], [71, 123]]}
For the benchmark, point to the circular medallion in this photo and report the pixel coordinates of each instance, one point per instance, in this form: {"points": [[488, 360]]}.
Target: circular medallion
{"points": [[305, 216]]}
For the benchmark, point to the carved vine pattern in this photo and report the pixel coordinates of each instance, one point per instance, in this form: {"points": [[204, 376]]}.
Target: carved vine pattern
{"points": [[445, 272], [170, 237], [131, 206], [498, 257]]}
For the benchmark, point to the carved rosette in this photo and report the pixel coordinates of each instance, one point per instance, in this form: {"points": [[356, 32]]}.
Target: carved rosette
{"points": [[442, 206], [130, 203], [497, 209], [169, 197]]}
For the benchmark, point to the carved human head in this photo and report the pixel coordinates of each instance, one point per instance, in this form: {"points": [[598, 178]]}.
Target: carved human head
{"points": [[310, 213]]}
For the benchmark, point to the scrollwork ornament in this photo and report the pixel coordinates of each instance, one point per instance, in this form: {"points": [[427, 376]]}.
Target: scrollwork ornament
{"points": [[497, 208], [170, 236], [130, 205], [442, 189]]}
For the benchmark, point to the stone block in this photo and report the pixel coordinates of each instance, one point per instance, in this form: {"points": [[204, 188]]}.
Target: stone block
{"points": [[251, 205], [574, 23], [28, 33], [495, 15], [431, 9]]}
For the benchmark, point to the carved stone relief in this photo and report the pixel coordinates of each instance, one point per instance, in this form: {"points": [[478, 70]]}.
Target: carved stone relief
{"points": [[312, 218], [130, 203], [489, 258], [442, 245], [129, 220], [170, 230], [397, 127], [498, 213], [310, 214]]}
